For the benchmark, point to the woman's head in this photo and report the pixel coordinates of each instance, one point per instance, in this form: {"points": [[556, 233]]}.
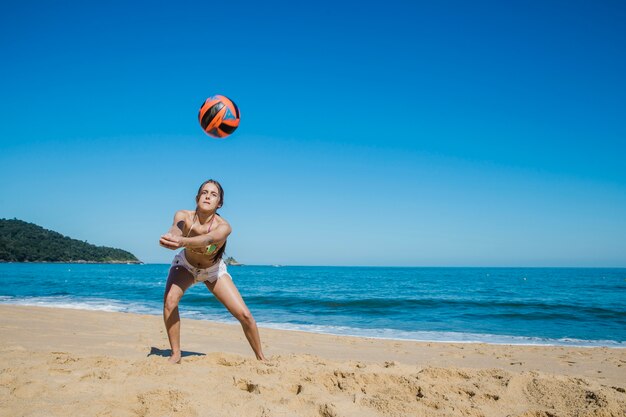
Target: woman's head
{"points": [[211, 193]]}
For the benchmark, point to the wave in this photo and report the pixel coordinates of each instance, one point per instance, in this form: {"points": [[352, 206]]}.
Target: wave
{"points": [[223, 316], [378, 305], [95, 304], [443, 337]]}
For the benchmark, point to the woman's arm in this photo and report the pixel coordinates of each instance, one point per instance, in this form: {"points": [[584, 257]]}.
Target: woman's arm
{"points": [[172, 241], [176, 231], [220, 233]]}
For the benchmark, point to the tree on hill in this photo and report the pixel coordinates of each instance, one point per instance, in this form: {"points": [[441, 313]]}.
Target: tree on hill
{"points": [[21, 241]]}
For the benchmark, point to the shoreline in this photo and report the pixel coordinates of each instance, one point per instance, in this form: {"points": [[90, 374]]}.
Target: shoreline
{"points": [[63, 361], [354, 332]]}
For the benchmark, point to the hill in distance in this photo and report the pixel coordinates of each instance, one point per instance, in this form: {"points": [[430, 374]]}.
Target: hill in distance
{"points": [[21, 241]]}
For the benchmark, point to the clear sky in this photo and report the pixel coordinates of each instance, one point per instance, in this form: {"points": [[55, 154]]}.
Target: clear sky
{"points": [[456, 133]]}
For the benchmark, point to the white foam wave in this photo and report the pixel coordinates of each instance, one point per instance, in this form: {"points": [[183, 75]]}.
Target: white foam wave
{"points": [[390, 334], [447, 337], [95, 304]]}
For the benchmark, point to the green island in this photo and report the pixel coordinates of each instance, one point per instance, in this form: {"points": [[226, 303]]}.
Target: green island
{"points": [[21, 241]]}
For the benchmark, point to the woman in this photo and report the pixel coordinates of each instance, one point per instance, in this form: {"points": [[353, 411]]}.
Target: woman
{"points": [[202, 233]]}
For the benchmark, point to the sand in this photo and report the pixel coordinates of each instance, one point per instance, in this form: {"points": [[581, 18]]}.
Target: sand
{"points": [[62, 362]]}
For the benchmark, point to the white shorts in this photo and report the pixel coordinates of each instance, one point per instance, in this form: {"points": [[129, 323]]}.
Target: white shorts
{"points": [[211, 274]]}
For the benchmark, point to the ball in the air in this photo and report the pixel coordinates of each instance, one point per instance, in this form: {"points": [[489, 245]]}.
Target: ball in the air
{"points": [[219, 116]]}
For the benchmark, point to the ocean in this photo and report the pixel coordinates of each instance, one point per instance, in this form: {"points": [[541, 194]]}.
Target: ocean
{"points": [[525, 306]]}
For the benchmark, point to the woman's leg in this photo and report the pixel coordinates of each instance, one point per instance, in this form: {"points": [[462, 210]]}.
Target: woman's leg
{"points": [[178, 281], [226, 292]]}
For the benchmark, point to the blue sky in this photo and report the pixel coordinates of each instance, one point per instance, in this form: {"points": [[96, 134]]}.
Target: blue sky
{"points": [[395, 133]]}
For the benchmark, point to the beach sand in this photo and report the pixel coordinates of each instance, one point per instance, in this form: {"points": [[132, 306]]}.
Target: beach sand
{"points": [[62, 362]]}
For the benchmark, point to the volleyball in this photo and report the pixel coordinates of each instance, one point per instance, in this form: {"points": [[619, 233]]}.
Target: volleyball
{"points": [[219, 116]]}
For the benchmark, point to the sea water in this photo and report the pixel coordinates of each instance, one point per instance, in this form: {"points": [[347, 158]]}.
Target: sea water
{"points": [[543, 306]]}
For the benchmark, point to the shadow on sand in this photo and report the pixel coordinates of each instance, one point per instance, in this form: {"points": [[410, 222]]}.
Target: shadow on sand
{"points": [[168, 352]]}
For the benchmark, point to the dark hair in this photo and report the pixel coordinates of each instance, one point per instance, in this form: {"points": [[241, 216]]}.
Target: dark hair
{"points": [[219, 188], [219, 253]]}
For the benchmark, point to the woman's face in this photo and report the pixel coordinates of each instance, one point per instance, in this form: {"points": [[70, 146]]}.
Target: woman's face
{"points": [[209, 197]]}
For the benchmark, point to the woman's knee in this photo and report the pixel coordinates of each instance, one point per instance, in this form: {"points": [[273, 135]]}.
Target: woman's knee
{"points": [[170, 301], [245, 317]]}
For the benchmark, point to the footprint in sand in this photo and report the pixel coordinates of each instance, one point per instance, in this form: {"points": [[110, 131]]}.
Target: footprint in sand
{"points": [[96, 375], [228, 362], [161, 402], [62, 358], [247, 385], [327, 410]]}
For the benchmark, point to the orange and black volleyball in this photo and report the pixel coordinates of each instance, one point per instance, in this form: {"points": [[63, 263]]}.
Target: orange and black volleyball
{"points": [[219, 116]]}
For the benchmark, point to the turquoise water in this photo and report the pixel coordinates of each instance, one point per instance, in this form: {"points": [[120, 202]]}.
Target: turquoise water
{"points": [[556, 306]]}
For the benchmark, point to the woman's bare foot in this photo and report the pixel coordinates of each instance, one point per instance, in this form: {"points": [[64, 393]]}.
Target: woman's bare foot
{"points": [[175, 358]]}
